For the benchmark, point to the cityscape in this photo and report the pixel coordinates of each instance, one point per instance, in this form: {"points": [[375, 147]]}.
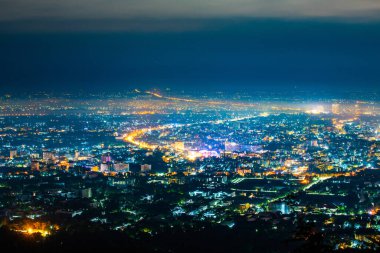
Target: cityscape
{"points": [[175, 169], [190, 126]]}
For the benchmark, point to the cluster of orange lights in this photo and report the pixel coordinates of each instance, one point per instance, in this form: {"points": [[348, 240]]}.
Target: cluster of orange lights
{"points": [[132, 136], [31, 228], [374, 211], [145, 113]]}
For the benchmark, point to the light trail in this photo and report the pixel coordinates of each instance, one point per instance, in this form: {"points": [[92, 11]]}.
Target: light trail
{"points": [[319, 180], [157, 95]]}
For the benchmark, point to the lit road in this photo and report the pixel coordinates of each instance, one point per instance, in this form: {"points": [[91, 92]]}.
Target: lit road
{"points": [[157, 95], [132, 137]]}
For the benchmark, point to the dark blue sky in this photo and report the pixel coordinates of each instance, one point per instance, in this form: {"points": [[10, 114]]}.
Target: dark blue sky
{"points": [[241, 53]]}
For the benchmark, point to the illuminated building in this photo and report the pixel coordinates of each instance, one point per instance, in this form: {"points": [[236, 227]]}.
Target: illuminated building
{"points": [[34, 156], [64, 165], [104, 167], [12, 154], [145, 167], [35, 165], [48, 156], [121, 167], [314, 143], [106, 158], [95, 169], [243, 171]]}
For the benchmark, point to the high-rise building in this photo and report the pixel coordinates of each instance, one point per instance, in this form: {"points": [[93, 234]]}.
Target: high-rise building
{"points": [[146, 167], [121, 167], [106, 158]]}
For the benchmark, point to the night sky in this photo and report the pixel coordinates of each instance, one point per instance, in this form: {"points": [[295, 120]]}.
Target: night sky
{"points": [[253, 45]]}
